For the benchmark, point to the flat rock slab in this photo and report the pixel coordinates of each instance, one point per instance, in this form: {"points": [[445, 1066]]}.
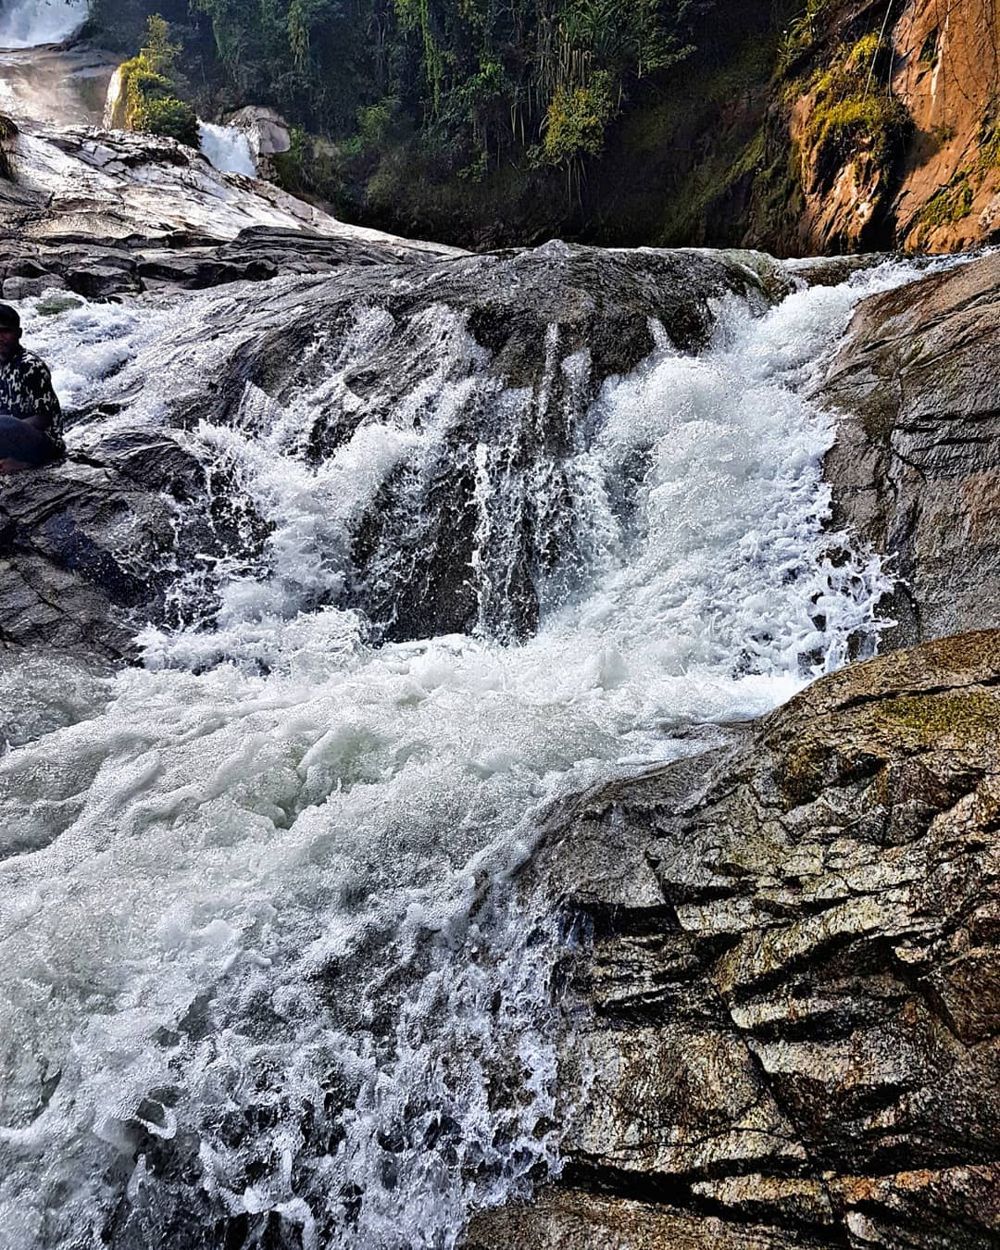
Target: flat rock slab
{"points": [[795, 1040]]}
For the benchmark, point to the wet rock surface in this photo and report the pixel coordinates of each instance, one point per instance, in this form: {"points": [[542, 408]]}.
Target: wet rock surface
{"points": [[111, 269], [521, 342], [110, 213], [787, 1028], [89, 548], [916, 466]]}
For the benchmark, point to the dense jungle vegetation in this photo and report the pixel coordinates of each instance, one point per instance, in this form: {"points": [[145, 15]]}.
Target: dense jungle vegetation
{"points": [[479, 79], [487, 122]]}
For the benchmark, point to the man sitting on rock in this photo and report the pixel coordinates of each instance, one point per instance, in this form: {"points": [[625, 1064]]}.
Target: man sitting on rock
{"points": [[30, 416]]}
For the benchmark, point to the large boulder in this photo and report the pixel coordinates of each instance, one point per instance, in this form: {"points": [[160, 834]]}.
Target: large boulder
{"points": [[268, 135], [915, 469], [784, 979]]}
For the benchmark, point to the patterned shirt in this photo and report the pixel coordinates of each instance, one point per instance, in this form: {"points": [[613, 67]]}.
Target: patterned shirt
{"points": [[26, 391]]}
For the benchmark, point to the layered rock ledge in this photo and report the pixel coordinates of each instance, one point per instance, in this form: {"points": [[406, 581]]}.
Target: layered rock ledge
{"points": [[109, 213], [787, 1029]]}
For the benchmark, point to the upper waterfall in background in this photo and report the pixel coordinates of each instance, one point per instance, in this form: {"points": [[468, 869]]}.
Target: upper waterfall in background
{"points": [[227, 149], [28, 23]]}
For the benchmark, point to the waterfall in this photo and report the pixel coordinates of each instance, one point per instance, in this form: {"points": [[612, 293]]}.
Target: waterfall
{"points": [[114, 102], [28, 23], [264, 960], [227, 149]]}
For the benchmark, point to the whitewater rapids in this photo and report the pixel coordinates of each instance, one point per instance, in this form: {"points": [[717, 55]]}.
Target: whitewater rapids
{"points": [[262, 960]]}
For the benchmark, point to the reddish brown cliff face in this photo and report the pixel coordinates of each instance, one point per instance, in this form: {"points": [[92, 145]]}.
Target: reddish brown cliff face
{"points": [[948, 77], [892, 112]]}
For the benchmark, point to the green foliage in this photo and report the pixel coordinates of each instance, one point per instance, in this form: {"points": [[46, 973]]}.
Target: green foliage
{"points": [[929, 51], [575, 121], [150, 92], [803, 34], [375, 122], [292, 167], [158, 54], [168, 116], [478, 83]]}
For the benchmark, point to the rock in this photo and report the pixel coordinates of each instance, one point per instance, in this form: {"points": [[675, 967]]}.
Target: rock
{"points": [[575, 1219], [915, 470], [945, 71], [89, 548], [784, 1028], [267, 132], [131, 192], [506, 352], [64, 84], [880, 131]]}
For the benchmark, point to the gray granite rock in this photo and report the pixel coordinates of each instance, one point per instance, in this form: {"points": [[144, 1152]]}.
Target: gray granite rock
{"points": [[785, 1014], [916, 466]]}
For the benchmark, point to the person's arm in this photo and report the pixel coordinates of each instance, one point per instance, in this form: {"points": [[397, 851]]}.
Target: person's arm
{"points": [[46, 413]]}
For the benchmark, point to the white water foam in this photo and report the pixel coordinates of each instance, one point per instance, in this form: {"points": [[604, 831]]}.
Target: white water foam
{"points": [[29, 23], [227, 149], [244, 927]]}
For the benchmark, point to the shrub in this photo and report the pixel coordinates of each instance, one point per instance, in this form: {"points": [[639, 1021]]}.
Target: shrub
{"points": [[575, 122], [850, 111], [149, 89]]}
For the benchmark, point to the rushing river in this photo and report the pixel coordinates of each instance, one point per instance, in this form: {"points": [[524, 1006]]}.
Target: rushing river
{"points": [[263, 973]]}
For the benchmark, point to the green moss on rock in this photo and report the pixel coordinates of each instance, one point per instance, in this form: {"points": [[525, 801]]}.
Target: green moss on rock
{"points": [[848, 113], [952, 203]]}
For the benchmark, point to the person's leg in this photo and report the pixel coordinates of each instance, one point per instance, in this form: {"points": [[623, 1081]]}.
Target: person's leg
{"points": [[22, 446]]}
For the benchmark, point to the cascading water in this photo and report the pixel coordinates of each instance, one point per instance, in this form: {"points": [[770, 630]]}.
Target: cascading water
{"points": [[263, 971], [29, 23], [227, 149]]}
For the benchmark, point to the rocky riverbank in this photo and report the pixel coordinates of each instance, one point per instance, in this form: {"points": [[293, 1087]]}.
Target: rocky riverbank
{"points": [[788, 992]]}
